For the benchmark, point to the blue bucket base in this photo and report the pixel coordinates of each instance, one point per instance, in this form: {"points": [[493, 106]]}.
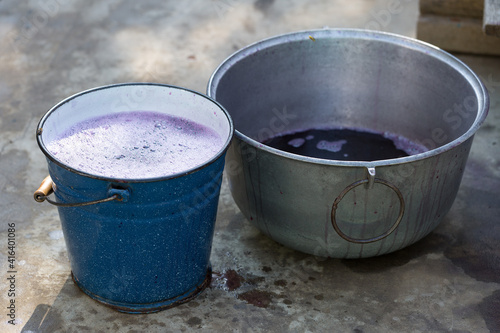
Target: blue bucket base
{"points": [[141, 308]]}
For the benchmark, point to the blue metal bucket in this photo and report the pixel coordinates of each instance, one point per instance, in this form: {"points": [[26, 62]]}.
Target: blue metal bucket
{"points": [[137, 245]]}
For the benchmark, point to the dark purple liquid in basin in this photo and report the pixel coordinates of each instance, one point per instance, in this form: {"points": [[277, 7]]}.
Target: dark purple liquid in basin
{"points": [[345, 144]]}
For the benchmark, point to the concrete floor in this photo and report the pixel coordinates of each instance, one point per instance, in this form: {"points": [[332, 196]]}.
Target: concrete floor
{"points": [[449, 281]]}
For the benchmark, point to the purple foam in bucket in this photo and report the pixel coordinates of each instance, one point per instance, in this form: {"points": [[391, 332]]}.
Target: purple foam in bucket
{"points": [[160, 145], [136, 171]]}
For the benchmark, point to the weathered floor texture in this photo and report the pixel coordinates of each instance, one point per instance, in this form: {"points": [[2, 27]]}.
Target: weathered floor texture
{"points": [[51, 49]]}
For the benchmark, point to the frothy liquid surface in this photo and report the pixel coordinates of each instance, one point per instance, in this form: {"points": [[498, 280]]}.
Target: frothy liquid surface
{"points": [[345, 144], [136, 145]]}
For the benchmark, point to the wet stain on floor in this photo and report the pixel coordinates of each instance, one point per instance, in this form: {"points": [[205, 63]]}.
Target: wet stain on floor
{"points": [[194, 322], [490, 311], [476, 247], [478, 260], [280, 283], [258, 298], [233, 279]]}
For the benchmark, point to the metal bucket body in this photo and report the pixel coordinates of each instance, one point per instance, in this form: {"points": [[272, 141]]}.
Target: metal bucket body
{"points": [[342, 78], [291, 202], [150, 250]]}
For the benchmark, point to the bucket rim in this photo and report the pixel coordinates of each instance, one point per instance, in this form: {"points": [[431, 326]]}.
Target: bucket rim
{"points": [[214, 158], [481, 93]]}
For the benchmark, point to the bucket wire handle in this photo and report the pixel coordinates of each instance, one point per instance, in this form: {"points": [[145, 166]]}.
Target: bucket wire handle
{"points": [[369, 181], [46, 188]]}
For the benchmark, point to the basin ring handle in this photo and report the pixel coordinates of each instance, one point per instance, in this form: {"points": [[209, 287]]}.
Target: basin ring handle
{"points": [[369, 183], [46, 188]]}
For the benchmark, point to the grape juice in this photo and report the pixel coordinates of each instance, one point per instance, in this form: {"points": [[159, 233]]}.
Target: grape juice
{"points": [[345, 144], [136, 145]]}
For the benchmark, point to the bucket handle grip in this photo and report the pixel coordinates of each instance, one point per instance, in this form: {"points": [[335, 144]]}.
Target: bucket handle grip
{"points": [[46, 188], [369, 181]]}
